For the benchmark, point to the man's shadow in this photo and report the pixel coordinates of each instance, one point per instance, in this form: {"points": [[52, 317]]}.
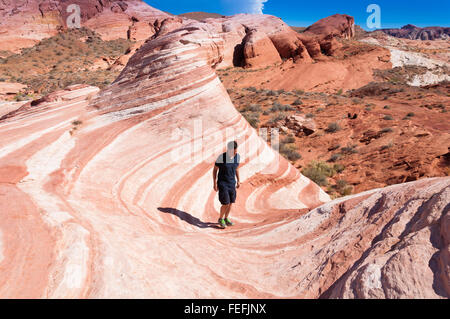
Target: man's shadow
{"points": [[188, 218]]}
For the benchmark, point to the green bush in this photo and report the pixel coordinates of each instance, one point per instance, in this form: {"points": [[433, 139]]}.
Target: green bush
{"points": [[388, 118], [318, 172], [252, 118], [343, 188], [290, 153]]}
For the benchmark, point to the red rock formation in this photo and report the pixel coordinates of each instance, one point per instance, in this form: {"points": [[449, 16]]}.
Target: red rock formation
{"points": [[401, 246], [10, 89], [339, 25], [321, 36], [90, 209], [131, 136], [113, 198], [259, 50], [112, 19]]}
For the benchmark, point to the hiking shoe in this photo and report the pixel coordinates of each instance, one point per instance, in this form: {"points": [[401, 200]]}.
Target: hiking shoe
{"points": [[228, 222], [222, 224]]}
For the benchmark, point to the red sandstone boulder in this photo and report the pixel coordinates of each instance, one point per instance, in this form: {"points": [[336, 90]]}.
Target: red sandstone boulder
{"points": [[339, 25], [301, 125], [259, 50]]}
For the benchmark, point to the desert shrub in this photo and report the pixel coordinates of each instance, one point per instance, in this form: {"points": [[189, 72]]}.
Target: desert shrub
{"points": [[349, 149], [339, 168], [310, 116], [288, 140], [335, 157], [77, 122], [339, 92], [343, 188], [253, 108], [388, 118], [21, 97], [290, 153], [388, 146], [286, 108], [333, 127], [387, 107], [356, 101], [252, 118], [410, 114], [334, 147], [271, 93], [275, 106], [278, 107], [277, 117], [288, 150], [297, 102], [318, 172], [386, 130], [252, 89]]}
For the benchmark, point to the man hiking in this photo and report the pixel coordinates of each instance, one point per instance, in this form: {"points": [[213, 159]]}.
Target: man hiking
{"points": [[225, 182]]}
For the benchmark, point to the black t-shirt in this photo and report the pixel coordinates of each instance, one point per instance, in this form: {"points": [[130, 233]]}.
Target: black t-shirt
{"points": [[227, 169]]}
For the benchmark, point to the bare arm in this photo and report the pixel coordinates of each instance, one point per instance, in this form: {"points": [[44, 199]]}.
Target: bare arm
{"points": [[215, 177], [238, 178]]}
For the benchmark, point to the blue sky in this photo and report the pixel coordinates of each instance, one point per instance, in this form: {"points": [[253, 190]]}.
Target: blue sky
{"points": [[394, 13]]}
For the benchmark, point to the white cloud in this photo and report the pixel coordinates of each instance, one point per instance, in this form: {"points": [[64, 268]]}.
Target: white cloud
{"points": [[247, 6], [255, 6]]}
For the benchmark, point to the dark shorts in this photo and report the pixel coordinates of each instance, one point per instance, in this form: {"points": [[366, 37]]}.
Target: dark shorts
{"points": [[227, 194]]}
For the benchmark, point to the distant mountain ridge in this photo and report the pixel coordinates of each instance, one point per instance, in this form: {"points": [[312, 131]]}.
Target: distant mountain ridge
{"points": [[413, 32]]}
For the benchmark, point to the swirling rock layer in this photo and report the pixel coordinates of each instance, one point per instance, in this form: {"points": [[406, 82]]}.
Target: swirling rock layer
{"points": [[111, 196]]}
